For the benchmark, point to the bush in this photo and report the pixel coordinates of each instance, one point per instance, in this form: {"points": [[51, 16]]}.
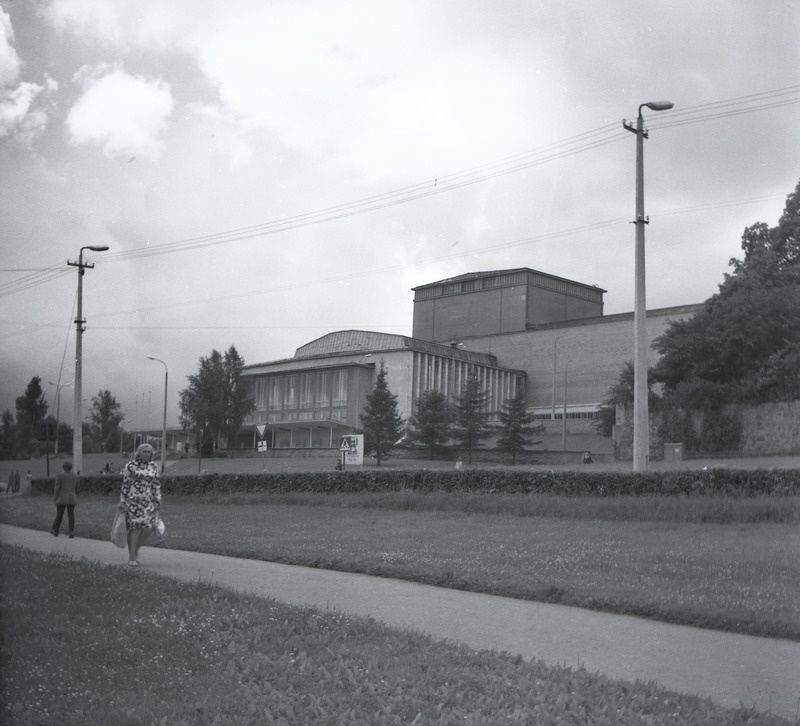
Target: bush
{"points": [[717, 482]]}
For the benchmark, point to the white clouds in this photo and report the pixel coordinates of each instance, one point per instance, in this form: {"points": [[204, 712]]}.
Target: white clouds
{"points": [[124, 114], [9, 60], [22, 105]]}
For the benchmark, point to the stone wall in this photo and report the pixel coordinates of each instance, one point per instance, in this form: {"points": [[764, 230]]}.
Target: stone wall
{"points": [[768, 429]]}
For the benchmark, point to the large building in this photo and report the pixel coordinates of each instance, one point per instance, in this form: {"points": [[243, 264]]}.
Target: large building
{"points": [[315, 397], [518, 327]]}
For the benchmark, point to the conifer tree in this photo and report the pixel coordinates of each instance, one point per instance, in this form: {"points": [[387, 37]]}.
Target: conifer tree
{"points": [[516, 425], [470, 420], [381, 421], [432, 420]]}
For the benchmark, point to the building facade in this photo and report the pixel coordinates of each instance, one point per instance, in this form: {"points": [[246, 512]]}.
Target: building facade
{"points": [[318, 395], [514, 328]]}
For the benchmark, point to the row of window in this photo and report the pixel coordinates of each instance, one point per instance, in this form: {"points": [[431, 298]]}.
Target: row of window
{"points": [[291, 391]]}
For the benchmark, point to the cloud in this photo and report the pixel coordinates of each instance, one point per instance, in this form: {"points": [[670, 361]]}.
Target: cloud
{"points": [[9, 60], [22, 105], [124, 114]]}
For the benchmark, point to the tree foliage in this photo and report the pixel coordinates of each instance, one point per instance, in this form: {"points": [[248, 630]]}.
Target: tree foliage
{"points": [[470, 417], [621, 393], [516, 425], [104, 421], [381, 422], [217, 399], [431, 421], [31, 409], [744, 345]]}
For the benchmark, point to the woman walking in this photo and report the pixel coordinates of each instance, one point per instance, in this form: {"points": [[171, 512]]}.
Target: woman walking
{"points": [[140, 499]]}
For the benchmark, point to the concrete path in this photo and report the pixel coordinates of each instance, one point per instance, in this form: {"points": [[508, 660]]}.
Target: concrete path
{"points": [[731, 669]]}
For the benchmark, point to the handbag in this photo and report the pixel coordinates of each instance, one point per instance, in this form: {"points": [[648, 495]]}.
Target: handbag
{"points": [[119, 530]]}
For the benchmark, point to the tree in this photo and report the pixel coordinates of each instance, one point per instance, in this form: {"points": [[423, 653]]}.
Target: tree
{"points": [[8, 433], [217, 399], [516, 425], [470, 417], [744, 342], [104, 421], [31, 410], [238, 395], [431, 421], [381, 422], [621, 393]]}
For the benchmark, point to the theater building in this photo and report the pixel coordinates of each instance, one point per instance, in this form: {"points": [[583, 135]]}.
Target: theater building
{"points": [[517, 327], [318, 395]]}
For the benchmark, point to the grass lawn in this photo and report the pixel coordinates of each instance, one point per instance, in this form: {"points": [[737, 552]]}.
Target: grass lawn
{"points": [[90, 644], [743, 577]]}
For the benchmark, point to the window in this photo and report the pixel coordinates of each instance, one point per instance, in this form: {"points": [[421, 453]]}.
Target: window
{"points": [[307, 390], [276, 393], [340, 388]]}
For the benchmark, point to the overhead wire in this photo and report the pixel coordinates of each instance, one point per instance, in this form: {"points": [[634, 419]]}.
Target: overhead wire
{"points": [[580, 143]]}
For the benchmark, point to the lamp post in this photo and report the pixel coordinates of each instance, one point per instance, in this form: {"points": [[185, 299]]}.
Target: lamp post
{"points": [[77, 433], [640, 413], [58, 386], [164, 424]]}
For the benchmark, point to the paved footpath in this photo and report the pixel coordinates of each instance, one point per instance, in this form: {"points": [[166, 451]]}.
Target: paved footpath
{"points": [[731, 669]]}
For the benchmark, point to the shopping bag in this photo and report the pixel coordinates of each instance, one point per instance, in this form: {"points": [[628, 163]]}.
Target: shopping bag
{"points": [[119, 530], [153, 536]]}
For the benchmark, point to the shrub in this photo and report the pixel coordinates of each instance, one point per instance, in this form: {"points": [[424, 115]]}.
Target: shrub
{"points": [[717, 482]]}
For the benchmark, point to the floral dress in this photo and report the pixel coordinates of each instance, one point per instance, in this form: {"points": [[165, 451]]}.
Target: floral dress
{"points": [[141, 494]]}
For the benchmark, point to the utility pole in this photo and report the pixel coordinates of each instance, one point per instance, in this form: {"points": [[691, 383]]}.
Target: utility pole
{"points": [[80, 323], [641, 416]]}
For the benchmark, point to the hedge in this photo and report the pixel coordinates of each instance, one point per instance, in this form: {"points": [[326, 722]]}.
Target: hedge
{"points": [[716, 482]]}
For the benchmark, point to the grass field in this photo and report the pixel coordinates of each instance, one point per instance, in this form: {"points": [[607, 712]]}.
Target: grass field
{"points": [[90, 644], [743, 576]]}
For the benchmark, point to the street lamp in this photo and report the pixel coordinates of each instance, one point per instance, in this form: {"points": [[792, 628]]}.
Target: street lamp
{"points": [[640, 413], [164, 425], [58, 386], [77, 434]]}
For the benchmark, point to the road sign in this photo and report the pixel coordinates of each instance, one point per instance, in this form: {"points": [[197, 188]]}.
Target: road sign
{"points": [[262, 445], [261, 429], [352, 448]]}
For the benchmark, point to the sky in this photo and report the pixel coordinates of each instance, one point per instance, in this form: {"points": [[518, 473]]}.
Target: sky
{"points": [[265, 173]]}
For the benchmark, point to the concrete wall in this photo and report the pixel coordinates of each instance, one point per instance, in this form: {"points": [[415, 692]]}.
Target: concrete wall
{"points": [[589, 353]]}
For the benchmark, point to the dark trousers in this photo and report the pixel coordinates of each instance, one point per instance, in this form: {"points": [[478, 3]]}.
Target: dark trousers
{"points": [[60, 515]]}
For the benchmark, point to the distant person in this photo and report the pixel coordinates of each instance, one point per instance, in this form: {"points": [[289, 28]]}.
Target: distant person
{"points": [[64, 497], [16, 481], [587, 458], [140, 498], [459, 464]]}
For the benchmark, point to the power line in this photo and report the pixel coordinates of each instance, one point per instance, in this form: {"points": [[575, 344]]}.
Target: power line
{"points": [[556, 151]]}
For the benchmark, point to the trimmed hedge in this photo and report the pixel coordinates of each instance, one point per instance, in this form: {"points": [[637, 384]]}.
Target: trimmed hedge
{"points": [[716, 482]]}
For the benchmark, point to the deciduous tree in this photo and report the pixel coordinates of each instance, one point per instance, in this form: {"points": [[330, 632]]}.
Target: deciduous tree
{"points": [[746, 338], [104, 421], [217, 399], [31, 409]]}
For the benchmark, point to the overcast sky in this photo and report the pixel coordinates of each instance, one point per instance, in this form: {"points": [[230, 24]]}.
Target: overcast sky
{"points": [[267, 172]]}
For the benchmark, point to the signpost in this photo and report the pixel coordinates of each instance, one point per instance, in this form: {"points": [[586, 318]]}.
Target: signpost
{"points": [[352, 450], [261, 430]]}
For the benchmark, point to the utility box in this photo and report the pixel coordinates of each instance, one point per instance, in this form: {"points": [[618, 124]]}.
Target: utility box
{"points": [[673, 452]]}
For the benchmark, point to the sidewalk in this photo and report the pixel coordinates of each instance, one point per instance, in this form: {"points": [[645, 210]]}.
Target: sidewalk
{"points": [[731, 669]]}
